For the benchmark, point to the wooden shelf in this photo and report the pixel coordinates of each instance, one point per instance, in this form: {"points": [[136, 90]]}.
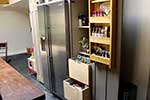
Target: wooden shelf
{"points": [[99, 19], [84, 53], [101, 40], [100, 59], [84, 27], [98, 1]]}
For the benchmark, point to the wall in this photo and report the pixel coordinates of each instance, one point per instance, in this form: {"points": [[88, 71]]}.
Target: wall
{"points": [[78, 6], [135, 44], [15, 29]]}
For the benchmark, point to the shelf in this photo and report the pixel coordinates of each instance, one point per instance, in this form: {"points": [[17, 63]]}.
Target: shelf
{"points": [[101, 40], [84, 27], [99, 19], [84, 53], [98, 1], [100, 59]]}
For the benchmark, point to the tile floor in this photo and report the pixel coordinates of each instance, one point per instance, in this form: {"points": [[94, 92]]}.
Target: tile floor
{"points": [[19, 62]]}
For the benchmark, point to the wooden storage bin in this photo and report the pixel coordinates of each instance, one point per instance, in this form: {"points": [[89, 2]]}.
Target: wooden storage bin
{"points": [[79, 71], [76, 93]]}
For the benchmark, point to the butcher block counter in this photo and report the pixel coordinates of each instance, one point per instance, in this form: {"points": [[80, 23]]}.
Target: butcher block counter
{"points": [[14, 86]]}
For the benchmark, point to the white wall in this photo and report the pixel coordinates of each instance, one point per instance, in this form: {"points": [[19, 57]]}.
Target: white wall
{"points": [[15, 29], [80, 6]]}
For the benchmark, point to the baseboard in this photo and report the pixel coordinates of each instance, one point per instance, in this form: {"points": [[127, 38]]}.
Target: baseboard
{"points": [[16, 53]]}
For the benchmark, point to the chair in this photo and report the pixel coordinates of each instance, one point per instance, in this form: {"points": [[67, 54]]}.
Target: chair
{"points": [[4, 48]]}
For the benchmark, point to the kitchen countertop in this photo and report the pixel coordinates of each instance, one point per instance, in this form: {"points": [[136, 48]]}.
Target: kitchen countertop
{"points": [[14, 86]]}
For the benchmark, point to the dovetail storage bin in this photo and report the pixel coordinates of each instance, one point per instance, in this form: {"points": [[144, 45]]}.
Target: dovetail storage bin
{"points": [[76, 93], [79, 71]]}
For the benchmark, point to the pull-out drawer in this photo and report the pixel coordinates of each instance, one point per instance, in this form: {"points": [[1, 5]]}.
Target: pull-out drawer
{"points": [[79, 71], [72, 92]]}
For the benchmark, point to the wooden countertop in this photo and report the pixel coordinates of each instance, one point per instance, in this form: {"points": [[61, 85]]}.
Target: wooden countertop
{"points": [[14, 86]]}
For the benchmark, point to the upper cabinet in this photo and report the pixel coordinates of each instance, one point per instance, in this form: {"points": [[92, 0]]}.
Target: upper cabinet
{"points": [[4, 1]]}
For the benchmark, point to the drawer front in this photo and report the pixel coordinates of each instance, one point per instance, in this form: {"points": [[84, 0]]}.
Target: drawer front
{"points": [[74, 93], [71, 93], [79, 71]]}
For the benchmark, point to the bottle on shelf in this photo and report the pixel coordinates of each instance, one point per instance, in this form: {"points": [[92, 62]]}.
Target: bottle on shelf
{"points": [[100, 31], [93, 32], [102, 11], [80, 19], [83, 20], [93, 13], [106, 32], [98, 50], [96, 32]]}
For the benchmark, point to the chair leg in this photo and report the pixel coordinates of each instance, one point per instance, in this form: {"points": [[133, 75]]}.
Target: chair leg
{"points": [[6, 52]]}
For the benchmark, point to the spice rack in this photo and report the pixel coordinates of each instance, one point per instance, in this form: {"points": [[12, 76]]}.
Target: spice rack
{"points": [[102, 31]]}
